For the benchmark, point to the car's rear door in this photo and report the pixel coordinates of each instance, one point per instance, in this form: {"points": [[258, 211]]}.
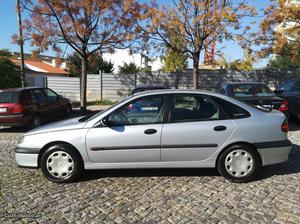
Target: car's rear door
{"points": [[133, 135], [42, 102], [195, 130]]}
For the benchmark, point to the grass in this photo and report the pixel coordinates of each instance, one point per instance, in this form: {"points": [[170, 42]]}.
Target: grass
{"points": [[97, 102]]}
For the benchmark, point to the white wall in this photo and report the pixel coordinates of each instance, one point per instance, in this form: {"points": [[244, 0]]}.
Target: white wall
{"points": [[121, 56]]}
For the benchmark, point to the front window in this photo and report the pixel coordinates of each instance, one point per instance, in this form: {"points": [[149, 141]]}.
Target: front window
{"points": [[191, 108], [52, 96], [145, 110]]}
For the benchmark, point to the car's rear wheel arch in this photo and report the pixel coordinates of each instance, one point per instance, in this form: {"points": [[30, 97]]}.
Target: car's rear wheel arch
{"points": [[47, 146], [237, 144]]}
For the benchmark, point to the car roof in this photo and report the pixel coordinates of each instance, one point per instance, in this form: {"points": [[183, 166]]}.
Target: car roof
{"points": [[20, 89], [244, 83], [172, 91], [150, 85]]}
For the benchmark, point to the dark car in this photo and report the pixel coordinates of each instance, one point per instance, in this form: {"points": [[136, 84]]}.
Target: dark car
{"points": [[31, 106], [147, 87], [290, 91], [255, 93]]}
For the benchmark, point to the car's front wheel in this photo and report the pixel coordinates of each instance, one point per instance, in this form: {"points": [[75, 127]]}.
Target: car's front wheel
{"points": [[61, 163], [239, 163]]}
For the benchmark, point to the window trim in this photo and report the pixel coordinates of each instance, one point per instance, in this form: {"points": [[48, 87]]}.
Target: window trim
{"points": [[223, 114]]}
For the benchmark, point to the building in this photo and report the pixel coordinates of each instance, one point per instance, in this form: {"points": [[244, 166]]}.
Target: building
{"points": [[36, 71], [121, 56]]}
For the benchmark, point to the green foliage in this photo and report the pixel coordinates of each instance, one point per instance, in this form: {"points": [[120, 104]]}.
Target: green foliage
{"points": [[95, 64], [174, 60], [130, 68], [9, 75], [290, 58], [5, 53], [245, 64]]}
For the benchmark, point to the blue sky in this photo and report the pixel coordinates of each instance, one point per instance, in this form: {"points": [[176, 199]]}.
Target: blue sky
{"points": [[8, 26]]}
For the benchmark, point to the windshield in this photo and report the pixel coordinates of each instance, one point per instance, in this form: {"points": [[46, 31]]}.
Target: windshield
{"points": [[9, 97]]}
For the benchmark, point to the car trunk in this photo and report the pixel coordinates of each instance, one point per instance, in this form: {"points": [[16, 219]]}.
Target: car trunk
{"points": [[268, 102]]}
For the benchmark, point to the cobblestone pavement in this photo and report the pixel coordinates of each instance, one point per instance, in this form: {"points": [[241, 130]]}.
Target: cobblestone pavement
{"points": [[150, 196]]}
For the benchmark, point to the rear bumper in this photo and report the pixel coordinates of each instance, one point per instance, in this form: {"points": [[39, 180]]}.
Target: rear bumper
{"points": [[274, 152], [27, 157], [14, 120]]}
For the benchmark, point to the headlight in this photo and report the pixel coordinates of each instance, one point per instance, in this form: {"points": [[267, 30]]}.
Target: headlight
{"points": [[21, 140]]}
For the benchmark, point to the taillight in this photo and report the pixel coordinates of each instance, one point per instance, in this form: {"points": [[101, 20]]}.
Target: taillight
{"points": [[18, 109], [285, 126], [284, 106]]}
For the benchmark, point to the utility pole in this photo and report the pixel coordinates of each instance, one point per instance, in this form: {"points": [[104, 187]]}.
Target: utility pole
{"points": [[21, 43]]}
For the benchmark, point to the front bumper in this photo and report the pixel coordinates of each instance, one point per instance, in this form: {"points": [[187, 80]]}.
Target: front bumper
{"points": [[274, 152], [27, 157]]}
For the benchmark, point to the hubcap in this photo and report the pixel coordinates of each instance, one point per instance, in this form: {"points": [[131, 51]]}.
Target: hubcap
{"points": [[239, 163], [60, 164]]}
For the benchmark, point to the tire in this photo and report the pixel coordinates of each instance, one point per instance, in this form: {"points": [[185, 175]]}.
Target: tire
{"points": [[61, 163], [68, 110], [36, 121], [239, 163]]}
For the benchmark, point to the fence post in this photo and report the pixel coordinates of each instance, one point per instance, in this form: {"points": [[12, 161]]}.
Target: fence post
{"points": [[101, 84]]}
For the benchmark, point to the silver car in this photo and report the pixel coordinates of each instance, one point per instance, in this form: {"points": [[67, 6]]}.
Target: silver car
{"points": [[161, 129]]}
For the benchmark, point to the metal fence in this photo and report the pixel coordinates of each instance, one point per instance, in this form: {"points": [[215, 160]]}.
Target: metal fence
{"points": [[117, 86]]}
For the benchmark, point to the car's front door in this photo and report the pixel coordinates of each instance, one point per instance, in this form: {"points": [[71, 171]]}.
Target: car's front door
{"points": [[196, 129], [132, 133]]}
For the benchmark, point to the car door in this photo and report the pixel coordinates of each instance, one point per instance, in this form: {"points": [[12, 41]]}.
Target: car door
{"points": [[195, 130], [55, 107], [132, 133]]}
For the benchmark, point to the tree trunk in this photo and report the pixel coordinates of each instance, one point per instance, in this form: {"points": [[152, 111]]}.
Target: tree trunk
{"points": [[196, 59], [83, 82]]}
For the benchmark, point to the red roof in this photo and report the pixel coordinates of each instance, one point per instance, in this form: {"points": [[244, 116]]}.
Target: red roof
{"points": [[41, 66]]}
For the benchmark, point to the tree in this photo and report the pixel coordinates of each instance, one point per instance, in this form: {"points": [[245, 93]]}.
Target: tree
{"points": [[9, 74], [84, 25], [95, 64], [285, 60], [198, 23], [245, 64], [130, 68], [279, 30]]}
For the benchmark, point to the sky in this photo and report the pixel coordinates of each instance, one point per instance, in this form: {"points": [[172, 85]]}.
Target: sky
{"points": [[9, 26]]}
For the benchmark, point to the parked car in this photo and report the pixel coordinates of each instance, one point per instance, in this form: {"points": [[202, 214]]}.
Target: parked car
{"points": [[290, 91], [256, 94], [188, 129], [31, 106], [147, 87]]}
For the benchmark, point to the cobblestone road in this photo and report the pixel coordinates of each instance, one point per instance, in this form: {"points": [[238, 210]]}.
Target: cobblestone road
{"points": [[150, 196]]}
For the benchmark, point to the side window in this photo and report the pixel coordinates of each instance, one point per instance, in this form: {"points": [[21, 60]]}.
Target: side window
{"points": [[191, 107], [286, 86], [296, 87], [233, 110], [26, 97], [52, 96], [39, 96], [145, 110]]}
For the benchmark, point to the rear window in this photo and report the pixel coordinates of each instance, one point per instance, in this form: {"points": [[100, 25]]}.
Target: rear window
{"points": [[9, 97], [242, 90], [233, 110]]}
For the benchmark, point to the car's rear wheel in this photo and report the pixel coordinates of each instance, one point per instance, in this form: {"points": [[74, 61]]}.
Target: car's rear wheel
{"points": [[36, 121], [239, 163], [61, 163]]}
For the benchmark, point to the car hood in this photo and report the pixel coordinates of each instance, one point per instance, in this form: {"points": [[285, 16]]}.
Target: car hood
{"points": [[58, 126]]}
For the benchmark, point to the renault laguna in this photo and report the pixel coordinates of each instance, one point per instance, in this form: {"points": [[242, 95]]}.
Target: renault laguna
{"points": [[161, 129]]}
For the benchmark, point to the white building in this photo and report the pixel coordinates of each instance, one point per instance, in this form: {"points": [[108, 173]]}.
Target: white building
{"points": [[121, 56]]}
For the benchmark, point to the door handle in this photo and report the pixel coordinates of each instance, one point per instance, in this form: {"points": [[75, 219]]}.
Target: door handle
{"points": [[220, 128], [150, 131]]}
